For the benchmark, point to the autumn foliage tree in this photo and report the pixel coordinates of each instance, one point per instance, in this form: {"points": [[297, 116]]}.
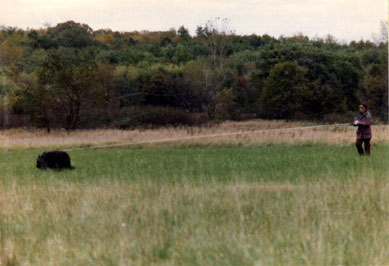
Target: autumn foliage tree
{"points": [[70, 76], [67, 92]]}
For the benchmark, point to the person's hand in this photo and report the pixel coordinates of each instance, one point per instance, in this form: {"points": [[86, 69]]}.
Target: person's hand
{"points": [[356, 122]]}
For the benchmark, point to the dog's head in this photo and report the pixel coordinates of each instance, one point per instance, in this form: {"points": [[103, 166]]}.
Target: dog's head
{"points": [[41, 161]]}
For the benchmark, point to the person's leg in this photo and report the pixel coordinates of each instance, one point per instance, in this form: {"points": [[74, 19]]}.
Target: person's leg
{"points": [[367, 146], [359, 146]]}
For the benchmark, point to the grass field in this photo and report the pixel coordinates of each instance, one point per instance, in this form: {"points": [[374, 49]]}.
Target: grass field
{"points": [[17, 139], [257, 204]]}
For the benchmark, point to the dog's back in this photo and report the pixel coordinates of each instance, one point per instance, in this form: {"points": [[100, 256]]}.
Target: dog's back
{"points": [[55, 160]]}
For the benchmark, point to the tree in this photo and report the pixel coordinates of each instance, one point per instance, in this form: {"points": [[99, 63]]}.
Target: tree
{"points": [[183, 33], [68, 86], [285, 92], [384, 31], [212, 80], [383, 37], [202, 32], [106, 76], [332, 71], [7, 91], [225, 108], [376, 84], [377, 95], [71, 34], [215, 34], [193, 85], [34, 101], [182, 54], [11, 54], [105, 36], [155, 92], [122, 41], [127, 86], [107, 73]]}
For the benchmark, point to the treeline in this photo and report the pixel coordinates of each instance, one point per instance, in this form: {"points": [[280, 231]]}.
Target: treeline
{"points": [[70, 76]]}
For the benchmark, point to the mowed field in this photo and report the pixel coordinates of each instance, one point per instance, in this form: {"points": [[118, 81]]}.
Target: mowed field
{"points": [[299, 196]]}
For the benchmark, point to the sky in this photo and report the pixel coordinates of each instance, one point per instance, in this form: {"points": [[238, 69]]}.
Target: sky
{"points": [[346, 20]]}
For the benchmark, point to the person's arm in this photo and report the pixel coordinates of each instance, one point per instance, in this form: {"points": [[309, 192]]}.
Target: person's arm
{"points": [[365, 123], [355, 123]]}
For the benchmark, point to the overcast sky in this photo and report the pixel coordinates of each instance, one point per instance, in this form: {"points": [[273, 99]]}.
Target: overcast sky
{"points": [[345, 19]]}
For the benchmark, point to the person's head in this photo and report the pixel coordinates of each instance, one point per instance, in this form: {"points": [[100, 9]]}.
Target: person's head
{"points": [[363, 108]]}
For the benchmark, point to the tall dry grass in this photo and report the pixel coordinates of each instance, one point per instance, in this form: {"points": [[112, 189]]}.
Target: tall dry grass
{"points": [[328, 222], [330, 134]]}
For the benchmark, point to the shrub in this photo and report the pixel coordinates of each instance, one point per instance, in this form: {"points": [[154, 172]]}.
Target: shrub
{"points": [[156, 116]]}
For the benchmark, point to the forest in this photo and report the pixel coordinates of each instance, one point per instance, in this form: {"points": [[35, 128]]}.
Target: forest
{"points": [[70, 76]]}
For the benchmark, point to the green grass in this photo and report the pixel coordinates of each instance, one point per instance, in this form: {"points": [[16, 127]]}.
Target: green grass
{"points": [[268, 204], [203, 165]]}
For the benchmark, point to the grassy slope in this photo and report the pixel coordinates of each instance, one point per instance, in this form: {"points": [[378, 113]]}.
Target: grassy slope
{"points": [[277, 204]]}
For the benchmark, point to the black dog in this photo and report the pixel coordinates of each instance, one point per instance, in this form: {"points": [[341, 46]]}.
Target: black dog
{"points": [[56, 160]]}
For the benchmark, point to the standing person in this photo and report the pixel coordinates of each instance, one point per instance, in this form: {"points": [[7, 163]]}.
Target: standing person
{"points": [[363, 121]]}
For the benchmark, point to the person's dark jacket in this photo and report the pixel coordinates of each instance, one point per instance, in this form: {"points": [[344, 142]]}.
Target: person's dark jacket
{"points": [[364, 130]]}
